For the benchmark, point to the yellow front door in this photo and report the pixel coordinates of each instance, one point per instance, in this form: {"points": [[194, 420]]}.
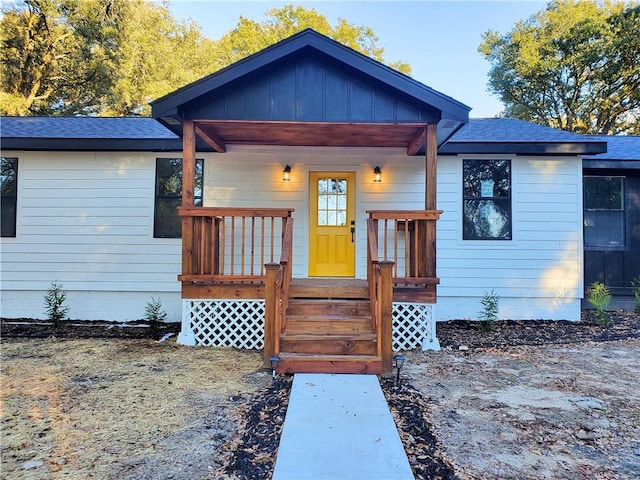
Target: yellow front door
{"points": [[332, 224]]}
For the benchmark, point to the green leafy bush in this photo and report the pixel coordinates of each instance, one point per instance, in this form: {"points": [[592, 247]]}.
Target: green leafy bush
{"points": [[600, 297], [54, 300], [489, 313]]}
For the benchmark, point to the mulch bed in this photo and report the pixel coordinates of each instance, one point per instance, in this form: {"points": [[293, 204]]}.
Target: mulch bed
{"points": [[30, 328], [466, 333]]}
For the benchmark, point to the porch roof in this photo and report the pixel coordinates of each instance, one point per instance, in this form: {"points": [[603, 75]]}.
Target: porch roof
{"points": [[310, 90]]}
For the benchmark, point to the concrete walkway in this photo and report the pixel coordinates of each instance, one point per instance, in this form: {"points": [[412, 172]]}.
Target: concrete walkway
{"points": [[339, 427]]}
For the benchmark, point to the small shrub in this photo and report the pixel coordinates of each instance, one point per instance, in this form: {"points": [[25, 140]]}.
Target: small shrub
{"points": [[636, 293], [154, 315], [55, 308], [489, 313], [600, 297]]}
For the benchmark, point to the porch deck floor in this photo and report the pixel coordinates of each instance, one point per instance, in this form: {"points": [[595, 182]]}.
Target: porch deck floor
{"points": [[339, 427]]}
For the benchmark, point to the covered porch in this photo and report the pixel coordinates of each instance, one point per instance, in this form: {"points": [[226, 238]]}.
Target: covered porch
{"points": [[310, 92], [312, 323]]}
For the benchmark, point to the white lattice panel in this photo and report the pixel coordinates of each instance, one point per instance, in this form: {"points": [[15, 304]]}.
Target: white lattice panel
{"points": [[414, 327], [226, 323]]}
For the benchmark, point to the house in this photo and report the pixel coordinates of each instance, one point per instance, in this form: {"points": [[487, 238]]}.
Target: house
{"points": [[293, 202], [612, 216]]}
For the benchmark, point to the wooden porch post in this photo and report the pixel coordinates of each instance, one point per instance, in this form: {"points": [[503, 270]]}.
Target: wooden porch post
{"points": [[188, 186], [430, 203], [386, 320], [431, 175], [270, 312], [188, 162]]}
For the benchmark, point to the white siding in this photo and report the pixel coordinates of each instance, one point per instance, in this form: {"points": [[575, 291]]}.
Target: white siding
{"points": [[85, 219], [252, 176], [538, 274]]}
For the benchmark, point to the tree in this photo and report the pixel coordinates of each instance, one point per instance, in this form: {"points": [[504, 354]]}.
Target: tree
{"points": [[574, 65], [112, 57], [55, 57], [95, 57], [250, 36]]}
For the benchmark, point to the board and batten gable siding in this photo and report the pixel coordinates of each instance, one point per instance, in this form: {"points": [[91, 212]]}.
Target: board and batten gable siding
{"points": [[250, 176], [85, 220], [537, 274]]}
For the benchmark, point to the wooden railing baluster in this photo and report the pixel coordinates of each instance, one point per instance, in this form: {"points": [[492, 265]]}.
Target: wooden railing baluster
{"points": [[225, 244]]}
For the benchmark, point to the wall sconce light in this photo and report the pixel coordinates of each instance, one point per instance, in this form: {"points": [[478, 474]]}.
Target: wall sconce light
{"points": [[286, 174], [377, 175], [274, 365], [398, 362]]}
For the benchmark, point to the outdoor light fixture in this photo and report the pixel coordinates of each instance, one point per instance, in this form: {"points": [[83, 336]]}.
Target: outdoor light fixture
{"points": [[286, 174], [274, 364], [398, 362], [377, 175]]}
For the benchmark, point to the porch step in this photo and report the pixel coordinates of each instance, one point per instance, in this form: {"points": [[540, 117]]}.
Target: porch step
{"points": [[354, 344], [328, 328], [328, 288], [311, 363], [355, 308], [327, 325]]}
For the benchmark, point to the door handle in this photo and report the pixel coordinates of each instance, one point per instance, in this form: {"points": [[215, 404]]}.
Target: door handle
{"points": [[353, 229]]}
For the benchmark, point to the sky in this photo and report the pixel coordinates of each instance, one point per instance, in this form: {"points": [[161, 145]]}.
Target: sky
{"points": [[439, 39]]}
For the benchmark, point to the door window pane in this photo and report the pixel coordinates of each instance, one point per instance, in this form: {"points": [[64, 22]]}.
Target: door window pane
{"points": [[332, 202]]}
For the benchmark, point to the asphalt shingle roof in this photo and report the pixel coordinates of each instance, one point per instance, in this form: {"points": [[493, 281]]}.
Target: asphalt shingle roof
{"points": [[84, 127], [620, 147], [509, 130]]}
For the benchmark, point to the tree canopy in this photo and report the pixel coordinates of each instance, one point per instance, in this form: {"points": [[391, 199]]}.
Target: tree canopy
{"points": [[112, 57], [574, 65]]}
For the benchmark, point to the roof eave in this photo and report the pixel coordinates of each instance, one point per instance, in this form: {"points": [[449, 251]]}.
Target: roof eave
{"points": [[91, 144], [612, 164], [523, 148]]}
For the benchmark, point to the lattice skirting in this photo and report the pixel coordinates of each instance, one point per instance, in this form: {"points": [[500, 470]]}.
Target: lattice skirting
{"points": [[414, 326], [223, 323], [240, 324]]}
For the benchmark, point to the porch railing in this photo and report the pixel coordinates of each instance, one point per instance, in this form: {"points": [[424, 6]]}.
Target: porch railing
{"points": [[408, 239], [230, 244]]}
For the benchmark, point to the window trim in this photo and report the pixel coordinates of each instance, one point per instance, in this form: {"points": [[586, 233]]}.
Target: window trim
{"points": [[508, 198], [198, 199], [623, 210], [14, 197]]}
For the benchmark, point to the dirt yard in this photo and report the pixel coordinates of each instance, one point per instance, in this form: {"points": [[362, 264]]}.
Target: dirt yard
{"points": [[550, 412], [114, 408]]}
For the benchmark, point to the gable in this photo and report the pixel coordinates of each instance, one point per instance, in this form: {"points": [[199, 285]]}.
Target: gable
{"points": [[309, 86], [313, 82]]}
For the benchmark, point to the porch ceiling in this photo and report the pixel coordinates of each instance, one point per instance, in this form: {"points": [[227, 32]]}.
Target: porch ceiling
{"points": [[220, 133]]}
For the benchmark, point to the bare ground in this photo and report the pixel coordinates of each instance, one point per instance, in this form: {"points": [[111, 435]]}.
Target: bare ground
{"points": [[114, 408]]}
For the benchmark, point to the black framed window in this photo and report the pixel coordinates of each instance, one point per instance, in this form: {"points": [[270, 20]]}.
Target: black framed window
{"points": [[604, 211], [166, 223], [9, 200], [486, 204]]}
